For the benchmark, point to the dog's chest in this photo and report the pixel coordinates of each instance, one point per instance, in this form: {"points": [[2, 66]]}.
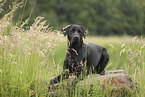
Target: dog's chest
{"points": [[76, 61], [76, 67]]}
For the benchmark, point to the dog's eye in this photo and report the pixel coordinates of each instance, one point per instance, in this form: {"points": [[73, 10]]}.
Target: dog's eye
{"points": [[71, 32], [79, 31]]}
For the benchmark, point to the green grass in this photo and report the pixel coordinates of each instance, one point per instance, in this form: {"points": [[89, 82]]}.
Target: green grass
{"points": [[30, 58], [26, 58], [125, 53]]}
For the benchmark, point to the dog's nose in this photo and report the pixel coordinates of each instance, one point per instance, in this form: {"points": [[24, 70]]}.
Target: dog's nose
{"points": [[76, 37]]}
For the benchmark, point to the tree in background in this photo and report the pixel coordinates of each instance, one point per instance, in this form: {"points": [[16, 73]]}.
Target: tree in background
{"points": [[100, 17]]}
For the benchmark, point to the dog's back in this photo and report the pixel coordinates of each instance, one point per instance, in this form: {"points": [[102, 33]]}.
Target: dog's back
{"points": [[98, 57]]}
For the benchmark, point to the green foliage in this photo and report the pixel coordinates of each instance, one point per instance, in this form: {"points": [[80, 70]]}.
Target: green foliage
{"points": [[101, 17]]}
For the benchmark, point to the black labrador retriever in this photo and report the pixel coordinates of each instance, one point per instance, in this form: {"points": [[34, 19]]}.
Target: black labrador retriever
{"points": [[81, 59]]}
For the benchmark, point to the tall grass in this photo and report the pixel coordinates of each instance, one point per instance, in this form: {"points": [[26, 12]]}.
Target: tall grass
{"points": [[125, 53], [26, 57], [30, 58]]}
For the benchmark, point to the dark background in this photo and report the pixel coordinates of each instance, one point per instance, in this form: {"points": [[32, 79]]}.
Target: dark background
{"points": [[100, 17]]}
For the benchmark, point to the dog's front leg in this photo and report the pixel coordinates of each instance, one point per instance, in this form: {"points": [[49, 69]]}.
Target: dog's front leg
{"points": [[80, 76], [64, 75]]}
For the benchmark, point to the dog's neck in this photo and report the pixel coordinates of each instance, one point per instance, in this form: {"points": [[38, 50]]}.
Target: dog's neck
{"points": [[73, 50], [75, 47]]}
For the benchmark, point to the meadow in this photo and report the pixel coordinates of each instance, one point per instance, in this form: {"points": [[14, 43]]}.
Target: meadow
{"points": [[29, 58]]}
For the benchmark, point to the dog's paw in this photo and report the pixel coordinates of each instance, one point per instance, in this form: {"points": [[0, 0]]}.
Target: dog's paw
{"points": [[51, 87], [102, 73]]}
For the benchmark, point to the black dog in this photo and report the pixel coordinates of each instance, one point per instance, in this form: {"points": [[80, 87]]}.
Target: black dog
{"points": [[81, 59]]}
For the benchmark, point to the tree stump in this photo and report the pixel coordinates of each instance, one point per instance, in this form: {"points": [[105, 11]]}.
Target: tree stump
{"points": [[117, 82]]}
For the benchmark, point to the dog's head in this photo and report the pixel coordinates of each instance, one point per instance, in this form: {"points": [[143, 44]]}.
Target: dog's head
{"points": [[75, 33]]}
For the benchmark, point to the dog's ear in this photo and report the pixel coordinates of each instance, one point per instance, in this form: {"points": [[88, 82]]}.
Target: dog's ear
{"points": [[65, 30], [84, 31]]}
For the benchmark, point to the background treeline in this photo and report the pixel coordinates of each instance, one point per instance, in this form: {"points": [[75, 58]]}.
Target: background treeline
{"points": [[100, 17]]}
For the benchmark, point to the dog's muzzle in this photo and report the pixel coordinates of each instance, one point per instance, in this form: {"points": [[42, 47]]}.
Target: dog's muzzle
{"points": [[76, 39]]}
